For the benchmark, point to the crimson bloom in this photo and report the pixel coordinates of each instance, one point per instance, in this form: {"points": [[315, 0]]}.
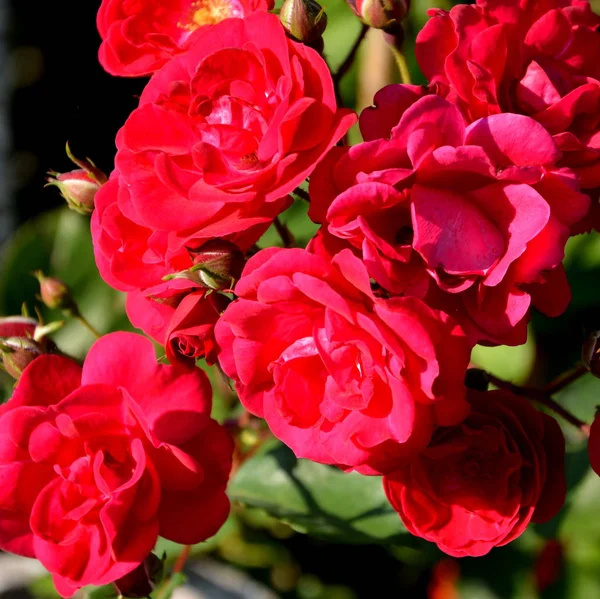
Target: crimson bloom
{"points": [[534, 58], [340, 376], [472, 218], [97, 462], [222, 135], [140, 37], [479, 484]]}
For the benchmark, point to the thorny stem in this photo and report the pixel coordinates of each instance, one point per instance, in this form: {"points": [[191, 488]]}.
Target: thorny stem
{"points": [[349, 60], [543, 397], [285, 234]]}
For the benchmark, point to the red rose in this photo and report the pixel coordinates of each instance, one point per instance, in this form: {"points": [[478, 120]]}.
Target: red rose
{"points": [[186, 331], [140, 37], [479, 484], [97, 462], [222, 135], [340, 376], [534, 58], [474, 219]]}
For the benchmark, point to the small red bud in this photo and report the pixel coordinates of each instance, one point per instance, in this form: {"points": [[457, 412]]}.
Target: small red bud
{"points": [[590, 353], [304, 21], [79, 187], [381, 14], [54, 293]]}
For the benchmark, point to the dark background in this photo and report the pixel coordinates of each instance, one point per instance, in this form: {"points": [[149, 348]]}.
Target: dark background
{"points": [[60, 93]]}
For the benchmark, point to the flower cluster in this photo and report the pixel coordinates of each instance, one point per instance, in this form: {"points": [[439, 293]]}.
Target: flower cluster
{"points": [[443, 228], [98, 461]]}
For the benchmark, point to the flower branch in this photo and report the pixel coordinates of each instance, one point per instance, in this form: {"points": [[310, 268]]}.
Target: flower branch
{"points": [[542, 397]]}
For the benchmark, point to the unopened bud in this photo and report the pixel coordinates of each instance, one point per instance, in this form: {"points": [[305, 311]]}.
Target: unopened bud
{"points": [[304, 21], [54, 293], [143, 580], [79, 187], [217, 264], [381, 14], [590, 353], [18, 353]]}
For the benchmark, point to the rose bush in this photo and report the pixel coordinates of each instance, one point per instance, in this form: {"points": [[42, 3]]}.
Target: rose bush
{"points": [[140, 37], [535, 58], [479, 484], [340, 376], [473, 219], [96, 462]]}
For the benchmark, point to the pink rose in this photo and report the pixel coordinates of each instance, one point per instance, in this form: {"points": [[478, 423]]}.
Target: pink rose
{"points": [[472, 218], [535, 58], [341, 377]]}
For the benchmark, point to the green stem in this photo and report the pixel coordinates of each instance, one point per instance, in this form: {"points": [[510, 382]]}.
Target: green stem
{"points": [[87, 325], [402, 65]]}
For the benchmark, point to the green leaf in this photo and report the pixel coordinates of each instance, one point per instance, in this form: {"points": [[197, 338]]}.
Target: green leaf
{"points": [[319, 500]]}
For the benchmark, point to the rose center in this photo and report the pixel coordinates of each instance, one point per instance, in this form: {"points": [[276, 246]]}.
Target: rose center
{"points": [[208, 12]]}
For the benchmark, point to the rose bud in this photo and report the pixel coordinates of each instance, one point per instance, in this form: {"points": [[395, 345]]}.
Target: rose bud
{"points": [[22, 339], [190, 335], [590, 353], [17, 353], [54, 293], [217, 264], [381, 14], [143, 580], [304, 21], [79, 187]]}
